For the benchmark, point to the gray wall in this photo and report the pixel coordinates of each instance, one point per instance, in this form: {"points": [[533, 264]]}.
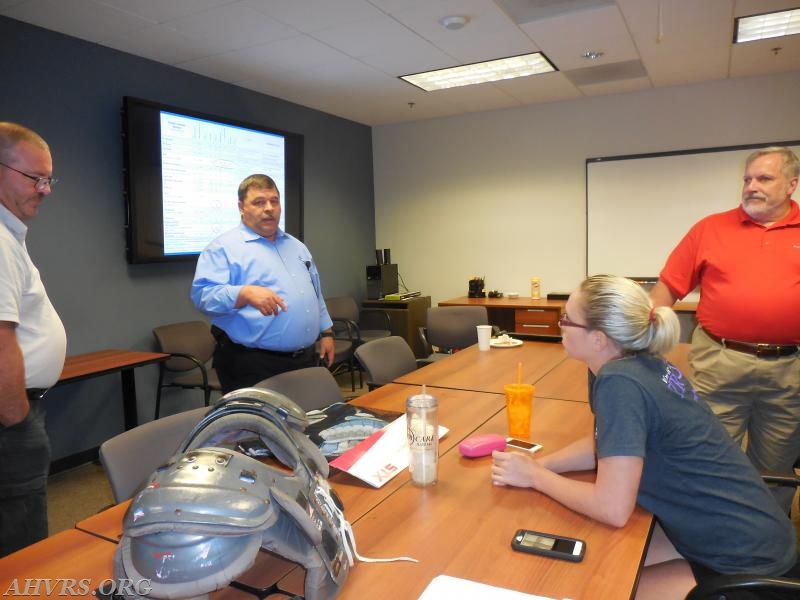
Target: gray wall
{"points": [[70, 91]]}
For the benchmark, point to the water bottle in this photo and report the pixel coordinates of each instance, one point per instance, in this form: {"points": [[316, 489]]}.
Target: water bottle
{"points": [[422, 422]]}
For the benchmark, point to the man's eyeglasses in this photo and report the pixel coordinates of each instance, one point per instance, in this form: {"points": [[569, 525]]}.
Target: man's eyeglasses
{"points": [[39, 182], [565, 322]]}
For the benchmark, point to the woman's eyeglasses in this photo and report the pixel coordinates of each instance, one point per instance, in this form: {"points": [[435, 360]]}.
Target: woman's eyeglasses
{"points": [[564, 321]]}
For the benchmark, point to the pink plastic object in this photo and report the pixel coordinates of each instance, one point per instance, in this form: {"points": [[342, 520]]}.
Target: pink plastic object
{"points": [[482, 445]]}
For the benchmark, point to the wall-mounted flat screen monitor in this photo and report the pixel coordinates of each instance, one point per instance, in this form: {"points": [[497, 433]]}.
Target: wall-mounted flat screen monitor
{"points": [[182, 173]]}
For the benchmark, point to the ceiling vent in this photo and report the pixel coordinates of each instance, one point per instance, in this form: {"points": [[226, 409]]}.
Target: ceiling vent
{"points": [[630, 69], [526, 11]]}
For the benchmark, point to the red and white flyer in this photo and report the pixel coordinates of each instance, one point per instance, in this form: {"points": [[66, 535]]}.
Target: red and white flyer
{"points": [[381, 456]]}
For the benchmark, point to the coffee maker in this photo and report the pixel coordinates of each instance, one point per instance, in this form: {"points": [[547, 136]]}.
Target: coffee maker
{"points": [[476, 288], [382, 278]]}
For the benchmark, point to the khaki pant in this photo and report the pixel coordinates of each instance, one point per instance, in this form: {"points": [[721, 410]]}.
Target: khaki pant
{"points": [[759, 397]]}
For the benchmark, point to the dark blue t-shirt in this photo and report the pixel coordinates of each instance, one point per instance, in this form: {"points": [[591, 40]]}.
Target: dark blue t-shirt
{"points": [[704, 491]]}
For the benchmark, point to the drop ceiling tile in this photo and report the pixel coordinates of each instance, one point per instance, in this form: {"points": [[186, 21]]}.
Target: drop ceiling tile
{"points": [[160, 43], [161, 11], [548, 87], [87, 21], [565, 38], [312, 15], [756, 58], [691, 43], [232, 27], [372, 36], [488, 34]]}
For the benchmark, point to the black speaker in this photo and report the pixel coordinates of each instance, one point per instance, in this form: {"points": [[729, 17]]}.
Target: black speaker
{"points": [[381, 280]]}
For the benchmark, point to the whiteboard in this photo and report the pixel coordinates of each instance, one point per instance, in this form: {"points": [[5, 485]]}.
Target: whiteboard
{"points": [[639, 207]]}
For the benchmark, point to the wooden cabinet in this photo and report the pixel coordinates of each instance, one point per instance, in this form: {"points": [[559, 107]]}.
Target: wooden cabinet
{"points": [[540, 320], [523, 317], [526, 317], [406, 317]]}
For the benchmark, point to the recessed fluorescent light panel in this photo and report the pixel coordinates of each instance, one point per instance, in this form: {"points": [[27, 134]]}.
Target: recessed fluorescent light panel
{"points": [[770, 25], [483, 72]]}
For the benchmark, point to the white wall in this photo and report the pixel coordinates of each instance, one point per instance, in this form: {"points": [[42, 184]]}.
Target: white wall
{"points": [[502, 193]]}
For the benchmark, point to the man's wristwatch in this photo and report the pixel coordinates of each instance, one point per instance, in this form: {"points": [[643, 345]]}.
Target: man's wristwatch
{"points": [[326, 334]]}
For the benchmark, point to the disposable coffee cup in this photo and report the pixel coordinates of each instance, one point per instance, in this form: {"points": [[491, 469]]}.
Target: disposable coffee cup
{"points": [[484, 337]]}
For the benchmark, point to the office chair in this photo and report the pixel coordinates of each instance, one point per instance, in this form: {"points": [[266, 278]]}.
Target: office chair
{"points": [[312, 388], [386, 359], [191, 346], [366, 324], [717, 588], [451, 328], [344, 342], [130, 457]]}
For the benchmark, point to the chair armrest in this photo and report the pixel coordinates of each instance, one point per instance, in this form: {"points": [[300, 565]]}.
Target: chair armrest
{"points": [[711, 588], [190, 358], [345, 329], [423, 336]]}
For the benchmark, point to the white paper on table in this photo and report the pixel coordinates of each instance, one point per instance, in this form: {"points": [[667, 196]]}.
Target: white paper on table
{"points": [[444, 587], [381, 456]]}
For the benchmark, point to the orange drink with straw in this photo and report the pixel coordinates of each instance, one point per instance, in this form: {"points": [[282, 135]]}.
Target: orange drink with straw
{"points": [[519, 405]]}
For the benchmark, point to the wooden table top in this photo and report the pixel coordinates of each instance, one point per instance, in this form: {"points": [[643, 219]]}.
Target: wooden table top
{"points": [[489, 371], [70, 554], [463, 526], [105, 361], [569, 380], [459, 410]]}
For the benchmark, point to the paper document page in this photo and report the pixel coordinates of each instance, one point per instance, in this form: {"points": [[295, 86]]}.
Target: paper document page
{"points": [[444, 587]]}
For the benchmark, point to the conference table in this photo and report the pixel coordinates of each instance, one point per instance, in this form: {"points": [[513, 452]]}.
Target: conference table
{"points": [[105, 362], [489, 371], [461, 527]]}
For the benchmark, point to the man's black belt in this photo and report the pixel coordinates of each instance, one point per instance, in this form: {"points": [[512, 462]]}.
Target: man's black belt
{"points": [[294, 354], [759, 350], [36, 393], [223, 338]]}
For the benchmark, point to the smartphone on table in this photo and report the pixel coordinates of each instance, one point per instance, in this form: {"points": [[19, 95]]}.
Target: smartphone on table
{"points": [[516, 444], [547, 544]]}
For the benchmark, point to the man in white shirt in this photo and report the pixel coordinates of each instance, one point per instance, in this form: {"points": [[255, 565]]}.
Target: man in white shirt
{"points": [[32, 342]]}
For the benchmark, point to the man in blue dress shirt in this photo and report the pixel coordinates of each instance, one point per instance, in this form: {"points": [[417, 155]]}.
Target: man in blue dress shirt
{"points": [[261, 289]]}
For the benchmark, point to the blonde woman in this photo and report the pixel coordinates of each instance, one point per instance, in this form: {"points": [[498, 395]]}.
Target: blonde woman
{"points": [[656, 444]]}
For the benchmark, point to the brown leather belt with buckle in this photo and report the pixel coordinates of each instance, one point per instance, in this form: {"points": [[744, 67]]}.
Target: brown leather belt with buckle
{"points": [[759, 350]]}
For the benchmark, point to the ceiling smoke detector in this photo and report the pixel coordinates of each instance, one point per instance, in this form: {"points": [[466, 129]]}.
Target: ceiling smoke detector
{"points": [[454, 22], [592, 54]]}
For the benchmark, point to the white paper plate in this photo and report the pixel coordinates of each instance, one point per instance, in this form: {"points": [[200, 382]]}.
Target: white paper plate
{"points": [[498, 343]]}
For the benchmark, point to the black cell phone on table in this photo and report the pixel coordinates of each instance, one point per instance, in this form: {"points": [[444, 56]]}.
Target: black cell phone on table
{"points": [[518, 444], [547, 544]]}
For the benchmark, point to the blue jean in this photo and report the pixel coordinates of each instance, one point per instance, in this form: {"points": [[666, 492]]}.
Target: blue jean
{"points": [[24, 466]]}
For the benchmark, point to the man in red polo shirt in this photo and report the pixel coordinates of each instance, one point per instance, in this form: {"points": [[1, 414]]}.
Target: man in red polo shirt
{"points": [[744, 357]]}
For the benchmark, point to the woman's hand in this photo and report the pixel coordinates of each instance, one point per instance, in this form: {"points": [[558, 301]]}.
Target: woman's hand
{"points": [[514, 468]]}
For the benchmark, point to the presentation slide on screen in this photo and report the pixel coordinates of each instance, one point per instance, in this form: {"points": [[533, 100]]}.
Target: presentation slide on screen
{"points": [[203, 163]]}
